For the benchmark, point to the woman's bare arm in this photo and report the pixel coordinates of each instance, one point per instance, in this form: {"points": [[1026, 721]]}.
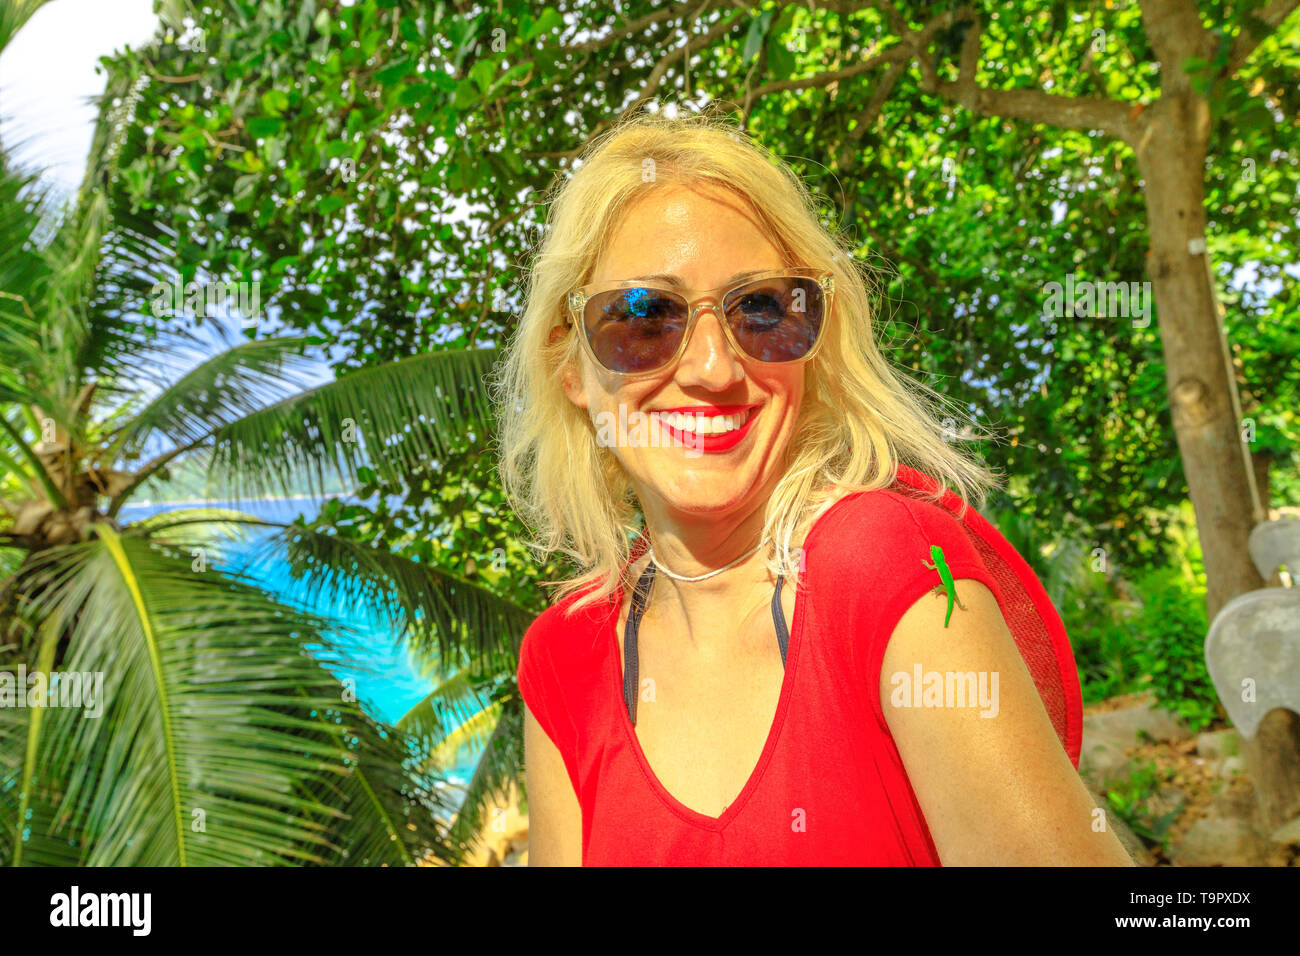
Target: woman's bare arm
{"points": [[554, 817], [996, 790]]}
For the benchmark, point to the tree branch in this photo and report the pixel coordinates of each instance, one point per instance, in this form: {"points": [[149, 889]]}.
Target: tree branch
{"points": [[880, 96], [1036, 106], [897, 22], [1244, 44], [725, 24], [636, 26], [895, 55]]}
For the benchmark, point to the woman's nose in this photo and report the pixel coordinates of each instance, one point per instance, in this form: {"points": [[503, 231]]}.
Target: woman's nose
{"points": [[709, 360]]}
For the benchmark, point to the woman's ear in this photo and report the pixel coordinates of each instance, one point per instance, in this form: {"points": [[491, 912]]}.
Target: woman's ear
{"points": [[570, 375]]}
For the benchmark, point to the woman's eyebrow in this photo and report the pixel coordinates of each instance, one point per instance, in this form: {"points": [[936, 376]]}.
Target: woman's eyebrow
{"points": [[675, 281]]}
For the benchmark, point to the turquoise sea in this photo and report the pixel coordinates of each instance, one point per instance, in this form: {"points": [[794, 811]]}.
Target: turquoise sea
{"points": [[386, 679]]}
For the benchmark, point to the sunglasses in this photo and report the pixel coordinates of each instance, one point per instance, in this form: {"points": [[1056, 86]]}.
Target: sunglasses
{"points": [[631, 328]]}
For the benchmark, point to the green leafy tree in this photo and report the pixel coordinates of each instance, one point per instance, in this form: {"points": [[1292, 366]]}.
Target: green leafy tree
{"points": [[218, 735], [392, 161], [383, 169]]}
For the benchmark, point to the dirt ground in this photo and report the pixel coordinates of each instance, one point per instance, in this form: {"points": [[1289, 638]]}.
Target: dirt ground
{"points": [[1204, 791]]}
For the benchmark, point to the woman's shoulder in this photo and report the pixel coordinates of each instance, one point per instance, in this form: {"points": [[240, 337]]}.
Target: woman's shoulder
{"points": [[891, 516], [883, 539], [565, 634]]}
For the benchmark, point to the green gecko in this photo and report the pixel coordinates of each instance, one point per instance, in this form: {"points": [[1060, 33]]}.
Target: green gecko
{"points": [[949, 587]]}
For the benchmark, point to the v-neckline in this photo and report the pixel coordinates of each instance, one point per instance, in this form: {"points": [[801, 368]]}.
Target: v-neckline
{"points": [[733, 808], [769, 745]]}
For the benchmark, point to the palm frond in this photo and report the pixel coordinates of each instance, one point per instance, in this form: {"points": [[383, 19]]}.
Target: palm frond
{"points": [[209, 528], [452, 703], [497, 771], [24, 271], [395, 813], [34, 467], [13, 14], [226, 387], [50, 632], [219, 742], [434, 610], [35, 827], [394, 418], [472, 734]]}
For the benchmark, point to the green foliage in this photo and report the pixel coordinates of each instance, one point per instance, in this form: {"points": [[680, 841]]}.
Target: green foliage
{"points": [[1147, 632], [1130, 800], [1167, 623], [1171, 630], [1096, 616], [1089, 598], [968, 217], [329, 149], [1170, 634], [224, 739]]}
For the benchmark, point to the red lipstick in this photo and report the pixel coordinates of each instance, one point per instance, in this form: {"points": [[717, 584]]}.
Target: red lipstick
{"points": [[709, 443]]}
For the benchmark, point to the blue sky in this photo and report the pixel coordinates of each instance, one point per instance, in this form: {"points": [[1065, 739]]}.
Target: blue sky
{"points": [[49, 80], [50, 74]]}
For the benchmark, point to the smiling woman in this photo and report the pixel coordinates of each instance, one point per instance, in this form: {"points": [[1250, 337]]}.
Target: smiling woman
{"points": [[683, 705]]}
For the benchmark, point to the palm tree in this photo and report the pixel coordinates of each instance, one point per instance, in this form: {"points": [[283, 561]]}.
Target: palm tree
{"points": [[223, 738]]}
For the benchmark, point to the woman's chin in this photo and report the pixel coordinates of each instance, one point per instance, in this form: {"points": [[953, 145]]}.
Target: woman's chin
{"points": [[703, 489]]}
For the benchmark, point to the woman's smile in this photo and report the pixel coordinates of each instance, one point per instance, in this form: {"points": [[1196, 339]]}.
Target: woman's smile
{"points": [[706, 428], [719, 421]]}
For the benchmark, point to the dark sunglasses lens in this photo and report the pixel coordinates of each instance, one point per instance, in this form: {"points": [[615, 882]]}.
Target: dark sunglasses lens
{"points": [[635, 330], [777, 320]]}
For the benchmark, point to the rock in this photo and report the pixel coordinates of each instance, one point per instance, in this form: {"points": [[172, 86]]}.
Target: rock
{"points": [[1234, 803], [1107, 735], [1166, 801], [1121, 728], [1218, 842], [1231, 766], [1102, 764], [1287, 833], [1219, 743], [1127, 838]]}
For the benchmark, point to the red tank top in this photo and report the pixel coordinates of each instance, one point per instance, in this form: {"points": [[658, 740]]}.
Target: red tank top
{"points": [[829, 787]]}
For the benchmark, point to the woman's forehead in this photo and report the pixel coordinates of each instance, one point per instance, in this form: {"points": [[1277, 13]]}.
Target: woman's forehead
{"points": [[699, 235]]}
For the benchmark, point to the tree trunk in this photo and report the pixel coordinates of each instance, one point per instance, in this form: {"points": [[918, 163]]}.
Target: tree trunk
{"points": [[1273, 759], [1171, 159], [1263, 460], [1215, 459]]}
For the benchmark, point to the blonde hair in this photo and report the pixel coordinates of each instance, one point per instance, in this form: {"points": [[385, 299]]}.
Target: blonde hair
{"points": [[858, 421]]}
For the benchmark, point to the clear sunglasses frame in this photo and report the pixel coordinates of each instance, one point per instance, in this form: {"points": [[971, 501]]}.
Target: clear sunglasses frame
{"points": [[714, 299]]}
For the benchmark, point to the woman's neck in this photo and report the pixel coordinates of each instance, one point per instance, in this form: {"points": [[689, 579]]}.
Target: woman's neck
{"points": [[690, 546]]}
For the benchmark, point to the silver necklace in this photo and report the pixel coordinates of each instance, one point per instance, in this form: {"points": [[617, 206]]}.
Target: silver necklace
{"points": [[707, 575]]}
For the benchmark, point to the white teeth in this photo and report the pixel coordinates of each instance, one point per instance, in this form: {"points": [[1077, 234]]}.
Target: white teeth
{"points": [[701, 424]]}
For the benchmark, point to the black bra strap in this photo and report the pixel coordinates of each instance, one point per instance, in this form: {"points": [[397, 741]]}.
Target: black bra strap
{"points": [[631, 685], [778, 618], [640, 594]]}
